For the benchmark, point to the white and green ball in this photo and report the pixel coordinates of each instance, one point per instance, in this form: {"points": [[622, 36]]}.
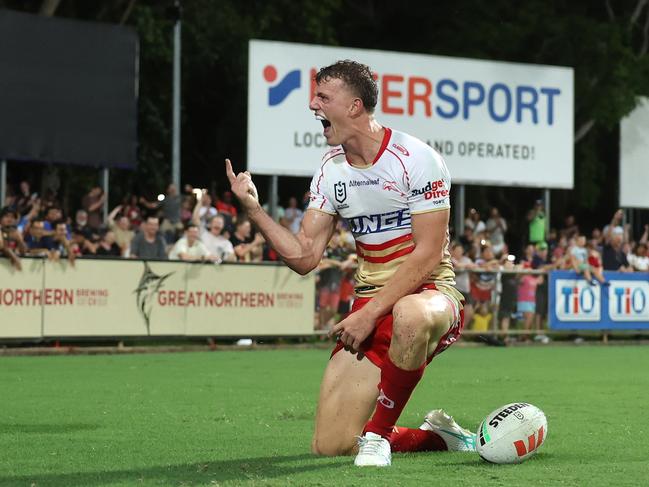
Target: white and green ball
{"points": [[512, 433]]}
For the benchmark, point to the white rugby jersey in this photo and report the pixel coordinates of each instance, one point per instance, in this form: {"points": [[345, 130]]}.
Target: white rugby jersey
{"points": [[407, 177]]}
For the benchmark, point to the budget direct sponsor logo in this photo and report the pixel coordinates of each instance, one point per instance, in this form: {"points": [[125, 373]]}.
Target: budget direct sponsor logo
{"points": [[280, 90], [446, 98], [628, 300], [432, 190], [577, 300]]}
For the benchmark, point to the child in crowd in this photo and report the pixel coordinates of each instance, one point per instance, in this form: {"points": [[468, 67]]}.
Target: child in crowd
{"points": [[580, 258], [482, 318]]}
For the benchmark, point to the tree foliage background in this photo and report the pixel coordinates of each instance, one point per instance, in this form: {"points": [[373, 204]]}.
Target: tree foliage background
{"points": [[605, 41]]}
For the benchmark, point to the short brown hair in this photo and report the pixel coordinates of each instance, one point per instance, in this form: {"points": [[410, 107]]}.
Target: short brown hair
{"points": [[356, 76]]}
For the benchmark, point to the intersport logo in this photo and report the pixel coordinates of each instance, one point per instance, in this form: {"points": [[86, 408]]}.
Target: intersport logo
{"points": [[279, 91]]}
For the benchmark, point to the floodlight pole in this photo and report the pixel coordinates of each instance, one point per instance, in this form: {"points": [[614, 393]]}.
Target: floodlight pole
{"points": [[272, 198], [104, 181], [3, 182], [175, 147], [459, 210], [546, 200]]}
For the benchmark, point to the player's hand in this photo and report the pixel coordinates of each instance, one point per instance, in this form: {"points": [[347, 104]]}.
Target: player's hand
{"points": [[242, 187], [353, 330]]}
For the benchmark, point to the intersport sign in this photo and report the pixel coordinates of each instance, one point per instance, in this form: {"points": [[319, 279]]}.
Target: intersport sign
{"points": [[495, 123]]}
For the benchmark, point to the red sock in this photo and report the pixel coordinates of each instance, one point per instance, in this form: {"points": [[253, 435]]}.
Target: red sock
{"points": [[395, 388], [410, 439]]}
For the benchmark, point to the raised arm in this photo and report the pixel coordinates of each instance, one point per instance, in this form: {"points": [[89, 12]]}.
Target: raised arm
{"points": [[196, 213], [301, 252], [113, 214]]}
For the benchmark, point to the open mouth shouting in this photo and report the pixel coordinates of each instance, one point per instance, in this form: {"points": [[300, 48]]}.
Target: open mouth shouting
{"points": [[325, 123]]}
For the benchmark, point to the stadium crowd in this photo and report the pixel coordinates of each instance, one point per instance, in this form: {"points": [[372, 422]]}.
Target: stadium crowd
{"points": [[197, 226]]}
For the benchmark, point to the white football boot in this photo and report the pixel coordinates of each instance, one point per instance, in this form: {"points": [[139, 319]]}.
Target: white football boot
{"points": [[373, 451], [455, 437]]}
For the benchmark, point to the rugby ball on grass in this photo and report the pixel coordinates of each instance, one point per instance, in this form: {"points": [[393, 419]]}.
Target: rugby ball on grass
{"points": [[512, 433]]}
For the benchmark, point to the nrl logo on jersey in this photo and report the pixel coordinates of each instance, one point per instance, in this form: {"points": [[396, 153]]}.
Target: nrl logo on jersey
{"points": [[340, 192]]}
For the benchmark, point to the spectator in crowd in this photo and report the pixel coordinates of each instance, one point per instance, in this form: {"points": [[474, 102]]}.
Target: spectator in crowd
{"points": [[526, 302], [225, 205], [570, 228], [496, 228], [81, 245], [190, 248], [10, 254], [332, 269], [639, 259], [93, 202], [484, 282], [508, 297], [560, 249], [11, 240], [541, 261], [462, 264], [528, 253], [595, 261], [148, 243], [645, 235], [615, 227], [120, 225], [293, 215], [467, 239], [347, 285], [477, 225], [36, 241], [131, 209], [25, 220], [169, 209], [214, 240], [536, 219], [81, 225], [53, 215], [186, 209], [25, 198], [614, 258], [246, 247], [62, 244], [107, 246], [597, 240], [482, 318], [579, 262], [205, 210]]}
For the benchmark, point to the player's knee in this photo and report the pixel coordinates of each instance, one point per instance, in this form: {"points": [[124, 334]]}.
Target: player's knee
{"points": [[327, 447], [416, 318]]}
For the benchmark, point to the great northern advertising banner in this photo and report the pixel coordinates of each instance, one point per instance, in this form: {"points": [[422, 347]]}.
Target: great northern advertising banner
{"points": [[96, 298]]}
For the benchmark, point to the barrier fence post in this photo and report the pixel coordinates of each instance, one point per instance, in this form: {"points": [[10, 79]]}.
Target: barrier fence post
{"points": [[3, 182]]}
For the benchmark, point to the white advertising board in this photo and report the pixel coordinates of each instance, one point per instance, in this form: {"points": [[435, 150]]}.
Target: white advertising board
{"points": [[496, 123], [634, 157]]}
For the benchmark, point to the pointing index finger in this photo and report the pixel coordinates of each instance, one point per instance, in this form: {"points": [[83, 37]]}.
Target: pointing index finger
{"points": [[229, 172]]}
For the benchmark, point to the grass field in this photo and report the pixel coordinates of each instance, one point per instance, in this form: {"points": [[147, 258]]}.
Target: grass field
{"points": [[245, 418]]}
